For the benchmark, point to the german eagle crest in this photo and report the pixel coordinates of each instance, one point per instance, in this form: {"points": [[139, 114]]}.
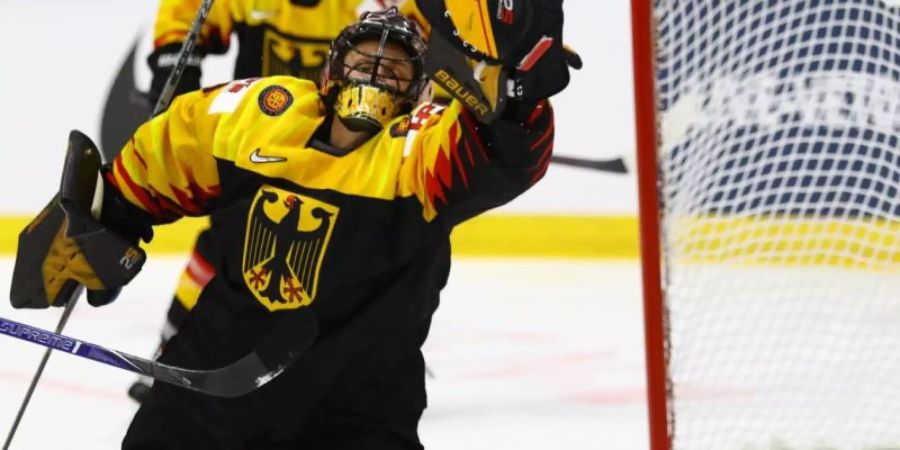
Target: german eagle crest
{"points": [[286, 239]]}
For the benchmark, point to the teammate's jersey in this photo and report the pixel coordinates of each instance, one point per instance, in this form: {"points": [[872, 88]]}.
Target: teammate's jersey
{"points": [[277, 37]]}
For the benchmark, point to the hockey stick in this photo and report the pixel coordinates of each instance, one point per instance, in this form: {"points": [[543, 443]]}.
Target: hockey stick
{"points": [[294, 333], [165, 98], [255, 369], [40, 370], [614, 165], [75, 188], [187, 47]]}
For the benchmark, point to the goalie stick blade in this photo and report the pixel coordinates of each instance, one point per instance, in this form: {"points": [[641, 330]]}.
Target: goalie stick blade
{"points": [[292, 336], [615, 165]]}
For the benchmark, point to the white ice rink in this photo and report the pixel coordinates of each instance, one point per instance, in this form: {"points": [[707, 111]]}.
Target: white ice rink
{"points": [[528, 354]]}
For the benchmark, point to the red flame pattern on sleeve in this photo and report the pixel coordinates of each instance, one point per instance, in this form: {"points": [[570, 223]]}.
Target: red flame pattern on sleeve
{"points": [[192, 201], [462, 158], [440, 175]]}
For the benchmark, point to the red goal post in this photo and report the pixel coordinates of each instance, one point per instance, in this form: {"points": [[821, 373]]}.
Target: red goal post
{"points": [[768, 140], [648, 210]]}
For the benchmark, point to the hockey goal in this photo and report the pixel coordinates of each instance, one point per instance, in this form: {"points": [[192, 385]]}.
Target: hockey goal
{"points": [[769, 173]]}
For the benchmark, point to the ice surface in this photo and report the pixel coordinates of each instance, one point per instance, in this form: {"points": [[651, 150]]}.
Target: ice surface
{"points": [[527, 354]]}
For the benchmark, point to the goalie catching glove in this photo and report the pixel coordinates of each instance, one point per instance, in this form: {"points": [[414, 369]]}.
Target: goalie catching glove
{"points": [[486, 53], [66, 246]]}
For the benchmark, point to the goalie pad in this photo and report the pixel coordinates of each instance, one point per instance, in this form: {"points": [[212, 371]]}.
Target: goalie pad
{"points": [[65, 245], [484, 53]]}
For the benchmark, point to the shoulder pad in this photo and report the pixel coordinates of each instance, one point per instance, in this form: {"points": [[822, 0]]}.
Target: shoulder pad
{"points": [[230, 95], [274, 95]]}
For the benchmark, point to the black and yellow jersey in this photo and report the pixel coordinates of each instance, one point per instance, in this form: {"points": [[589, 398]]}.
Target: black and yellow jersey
{"points": [[253, 147], [277, 37], [361, 237]]}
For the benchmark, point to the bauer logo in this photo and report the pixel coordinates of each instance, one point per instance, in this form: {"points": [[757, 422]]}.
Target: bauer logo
{"points": [[285, 243], [464, 95]]}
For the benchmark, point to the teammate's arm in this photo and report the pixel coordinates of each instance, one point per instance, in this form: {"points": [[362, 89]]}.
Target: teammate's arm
{"points": [[173, 22]]}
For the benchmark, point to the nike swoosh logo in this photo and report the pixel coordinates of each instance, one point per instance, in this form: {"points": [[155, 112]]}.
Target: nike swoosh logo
{"points": [[255, 157]]}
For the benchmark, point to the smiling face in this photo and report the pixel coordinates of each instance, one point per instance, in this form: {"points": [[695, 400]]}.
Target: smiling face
{"points": [[375, 72], [393, 71]]}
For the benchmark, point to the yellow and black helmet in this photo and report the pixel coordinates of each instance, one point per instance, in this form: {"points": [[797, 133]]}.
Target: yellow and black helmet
{"points": [[371, 103]]}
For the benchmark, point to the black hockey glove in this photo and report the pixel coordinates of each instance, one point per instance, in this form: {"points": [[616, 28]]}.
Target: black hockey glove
{"points": [[509, 51], [163, 60], [541, 61]]}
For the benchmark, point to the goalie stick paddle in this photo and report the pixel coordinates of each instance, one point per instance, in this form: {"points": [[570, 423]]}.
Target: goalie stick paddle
{"points": [[291, 337]]}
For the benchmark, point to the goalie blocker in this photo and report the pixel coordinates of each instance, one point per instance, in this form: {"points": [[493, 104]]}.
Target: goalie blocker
{"points": [[66, 245]]}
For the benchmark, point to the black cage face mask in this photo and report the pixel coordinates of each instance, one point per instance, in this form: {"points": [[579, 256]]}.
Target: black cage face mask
{"points": [[384, 28], [382, 71]]}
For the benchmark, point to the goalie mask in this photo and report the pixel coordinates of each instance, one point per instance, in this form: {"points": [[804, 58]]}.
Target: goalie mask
{"points": [[375, 70]]}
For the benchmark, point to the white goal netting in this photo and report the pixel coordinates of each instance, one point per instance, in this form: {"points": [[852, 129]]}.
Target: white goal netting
{"points": [[779, 165]]}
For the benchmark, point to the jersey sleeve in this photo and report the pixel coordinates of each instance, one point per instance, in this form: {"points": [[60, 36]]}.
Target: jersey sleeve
{"points": [[167, 169], [174, 19], [459, 168], [170, 167]]}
